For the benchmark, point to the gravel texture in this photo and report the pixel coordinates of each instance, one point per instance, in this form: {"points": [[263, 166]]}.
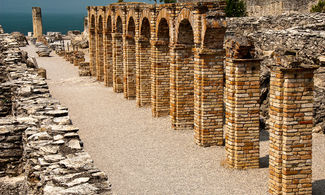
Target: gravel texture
{"points": [[143, 155]]}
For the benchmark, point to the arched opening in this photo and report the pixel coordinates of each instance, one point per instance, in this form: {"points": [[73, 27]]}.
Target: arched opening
{"points": [[209, 106], [143, 81], [182, 79], [100, 50], [130, 59], [118, 57], [161, 72], [108, 74], [92, 46]]}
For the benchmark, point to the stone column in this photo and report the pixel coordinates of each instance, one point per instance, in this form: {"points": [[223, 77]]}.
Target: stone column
{"points": [[208, 97], [37, 22], [117, 62], [182, 87], [242, 113], [143, 89], [291, 123], [160, 78]]}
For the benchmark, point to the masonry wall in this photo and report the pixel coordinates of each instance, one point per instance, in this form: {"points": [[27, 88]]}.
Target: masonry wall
{"points": [[40, 149]]}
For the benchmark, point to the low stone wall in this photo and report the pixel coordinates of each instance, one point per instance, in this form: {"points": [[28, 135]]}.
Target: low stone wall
{"points": [[38, 142]]}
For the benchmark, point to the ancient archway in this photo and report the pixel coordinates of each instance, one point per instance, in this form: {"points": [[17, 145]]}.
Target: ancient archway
{"points": [[130, 66], [182, 78], [144, 65], [108, 75], [118, 56], [100, 50], [161, 72]]}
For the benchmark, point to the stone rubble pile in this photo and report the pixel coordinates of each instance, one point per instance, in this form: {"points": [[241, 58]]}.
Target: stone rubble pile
{"points": [[301, 36], [43, 50], [38, 143]]}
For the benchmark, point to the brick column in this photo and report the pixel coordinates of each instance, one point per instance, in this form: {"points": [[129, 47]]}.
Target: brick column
{"points": [[108, 61], [208, 97], [117, 62], [100, 55], [291, 123], [182, 87], [242, 112], [129, 68], [92, 51], [143, 96], [160, 78]]}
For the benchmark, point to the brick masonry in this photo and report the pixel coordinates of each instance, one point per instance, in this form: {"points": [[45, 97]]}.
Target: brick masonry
{"points": [[291, 115], [171, 56]]}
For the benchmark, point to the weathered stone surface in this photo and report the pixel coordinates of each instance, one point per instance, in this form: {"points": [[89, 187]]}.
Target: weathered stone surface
{"points": [[38, 141]]}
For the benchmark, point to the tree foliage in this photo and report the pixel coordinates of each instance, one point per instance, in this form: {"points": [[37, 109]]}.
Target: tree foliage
{"points": [[235, 8], [320, 7]]}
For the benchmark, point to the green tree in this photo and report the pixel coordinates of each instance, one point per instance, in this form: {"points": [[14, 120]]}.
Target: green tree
{"points": [[320, 7], [235, 8], [166, 1]]}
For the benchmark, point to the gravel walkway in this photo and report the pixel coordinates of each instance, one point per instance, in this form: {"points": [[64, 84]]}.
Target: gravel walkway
{"points": [[143, 155]]}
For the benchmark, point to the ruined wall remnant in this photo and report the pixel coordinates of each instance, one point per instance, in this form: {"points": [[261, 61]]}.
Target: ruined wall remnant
{"points": [[259, 8], [40, 150], [277, 7], [37, 22]]}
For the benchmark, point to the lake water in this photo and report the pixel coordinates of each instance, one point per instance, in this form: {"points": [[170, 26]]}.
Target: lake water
{"points": [[22, 22]]}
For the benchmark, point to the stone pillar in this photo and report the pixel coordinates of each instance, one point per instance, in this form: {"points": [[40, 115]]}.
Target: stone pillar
{"points": [[242, 113], [182, 87], [100, 52], [208, 97], [143, 90], [108, 54], [129, 68], [37, 22], [291, 123], [117, 62], [160, 79]]}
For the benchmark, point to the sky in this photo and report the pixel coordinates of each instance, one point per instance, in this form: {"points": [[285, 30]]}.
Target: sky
{"points": [[53, 6]]}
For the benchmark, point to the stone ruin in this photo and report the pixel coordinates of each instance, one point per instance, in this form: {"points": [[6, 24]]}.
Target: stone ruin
{"points": [[223, 77], [40, 149]]}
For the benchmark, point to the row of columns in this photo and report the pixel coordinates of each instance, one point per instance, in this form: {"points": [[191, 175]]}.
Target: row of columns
{"points": [[208, 90]]}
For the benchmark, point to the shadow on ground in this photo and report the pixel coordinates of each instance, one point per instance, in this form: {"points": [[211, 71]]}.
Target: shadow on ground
{"points": [[319, 187]]}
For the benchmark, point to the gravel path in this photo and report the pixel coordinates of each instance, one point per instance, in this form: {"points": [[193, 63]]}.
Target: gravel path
{"points": [[143, 155]]}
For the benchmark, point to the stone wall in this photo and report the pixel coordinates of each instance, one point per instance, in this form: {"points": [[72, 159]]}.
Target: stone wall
{"points": [[271, 7], [40, 149], [277, 7]]}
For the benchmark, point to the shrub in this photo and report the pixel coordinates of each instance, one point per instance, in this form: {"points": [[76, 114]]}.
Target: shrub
{"points": [[235, 8], [320, 7]]}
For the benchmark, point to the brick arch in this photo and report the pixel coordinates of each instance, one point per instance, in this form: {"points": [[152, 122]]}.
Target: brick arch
{"points": [[145, 14], [131, 26], [92, 21], [184, 14], [118, 14], [109, 24], [131, 14], [163, 14], [100, 22]]}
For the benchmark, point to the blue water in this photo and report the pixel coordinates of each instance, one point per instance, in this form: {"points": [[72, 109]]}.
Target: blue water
{"points": [[22, 22]]}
